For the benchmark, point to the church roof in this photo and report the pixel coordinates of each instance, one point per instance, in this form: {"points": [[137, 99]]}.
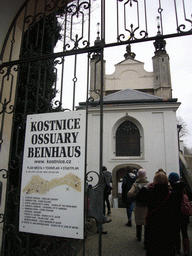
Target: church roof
{"points": [[129, 96], [132, 96]]}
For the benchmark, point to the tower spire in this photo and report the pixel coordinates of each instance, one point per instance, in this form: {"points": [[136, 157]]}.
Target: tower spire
{"points": [[159, 45], [159, 42], [161, 67], [98, 39]]}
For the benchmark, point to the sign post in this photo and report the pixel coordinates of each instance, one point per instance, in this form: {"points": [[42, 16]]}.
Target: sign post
{"points": [[52, 186]]}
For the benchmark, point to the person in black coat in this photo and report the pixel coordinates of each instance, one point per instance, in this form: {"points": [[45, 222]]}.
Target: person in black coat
{"points": [[107, 191], [128, 181], [162, 219], [179, 187]]}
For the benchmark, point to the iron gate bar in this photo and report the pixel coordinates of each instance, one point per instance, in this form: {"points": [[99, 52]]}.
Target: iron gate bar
{"points": [[102, 44], [92, 49], [74, 81], [101, 143], [86, 142], [64, 5]]}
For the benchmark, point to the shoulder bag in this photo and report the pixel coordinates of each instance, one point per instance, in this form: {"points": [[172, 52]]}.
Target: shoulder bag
{"points": [[149, 213]]}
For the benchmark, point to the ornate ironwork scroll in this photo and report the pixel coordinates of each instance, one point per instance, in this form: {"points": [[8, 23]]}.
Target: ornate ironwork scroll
{"points": [[32, 80], [129, 27]]}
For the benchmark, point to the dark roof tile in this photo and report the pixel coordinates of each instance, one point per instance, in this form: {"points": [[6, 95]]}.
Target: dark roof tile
{"points": [[130, 95]]}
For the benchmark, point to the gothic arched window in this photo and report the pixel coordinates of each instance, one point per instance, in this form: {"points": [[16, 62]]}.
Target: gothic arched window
{"points": [[127, 139]]}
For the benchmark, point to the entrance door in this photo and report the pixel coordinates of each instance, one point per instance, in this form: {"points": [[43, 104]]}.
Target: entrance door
{"points": [[119, 179], [45, 67], [119, 176]]}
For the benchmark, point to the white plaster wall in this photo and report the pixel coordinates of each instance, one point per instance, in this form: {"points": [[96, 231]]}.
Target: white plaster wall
{"points": [[129, 74], [160, 148]]}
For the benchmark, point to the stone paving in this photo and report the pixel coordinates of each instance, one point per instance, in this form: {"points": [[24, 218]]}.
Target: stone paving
{"points": [[120, 239]]}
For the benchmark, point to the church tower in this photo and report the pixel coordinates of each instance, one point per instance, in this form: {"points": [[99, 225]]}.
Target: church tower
{"points": [[161, 69], [95, 72]]}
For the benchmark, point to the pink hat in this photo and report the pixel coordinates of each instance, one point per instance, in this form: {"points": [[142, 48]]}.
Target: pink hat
{"points": [[141, 173]]}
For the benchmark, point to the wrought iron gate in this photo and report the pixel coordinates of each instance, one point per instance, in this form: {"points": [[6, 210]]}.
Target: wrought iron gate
{"points": [[46, 68]]}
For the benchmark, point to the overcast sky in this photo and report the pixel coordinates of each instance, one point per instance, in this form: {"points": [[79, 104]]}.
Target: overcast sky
{"points": [[178, 49]]}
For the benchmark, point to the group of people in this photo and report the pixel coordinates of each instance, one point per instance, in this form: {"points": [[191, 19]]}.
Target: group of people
{"points": [[158, 209]]}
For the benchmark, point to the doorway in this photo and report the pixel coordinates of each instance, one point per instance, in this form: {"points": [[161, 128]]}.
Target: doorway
{"points": [[120, 173]]}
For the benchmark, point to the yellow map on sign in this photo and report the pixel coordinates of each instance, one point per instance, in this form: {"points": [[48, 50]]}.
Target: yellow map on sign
{"points": [[41, 186]]}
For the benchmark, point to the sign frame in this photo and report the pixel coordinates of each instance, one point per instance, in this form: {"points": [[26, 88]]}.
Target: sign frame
{"points": [[53, 175]]}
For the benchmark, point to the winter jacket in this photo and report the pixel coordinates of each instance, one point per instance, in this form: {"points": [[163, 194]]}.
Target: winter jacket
{"points": [[107, 177], [141, 209], [178, 187], [128, 181], [161, 222]]}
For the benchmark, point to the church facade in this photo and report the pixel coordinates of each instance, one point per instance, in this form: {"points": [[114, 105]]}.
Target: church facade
{"points": [[139, 118]]}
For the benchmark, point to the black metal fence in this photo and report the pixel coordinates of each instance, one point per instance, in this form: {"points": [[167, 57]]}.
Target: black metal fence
{"points": [[46, 68]]}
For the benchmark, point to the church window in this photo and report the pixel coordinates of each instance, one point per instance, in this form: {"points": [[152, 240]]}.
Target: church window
{"points": [[127, 139]]}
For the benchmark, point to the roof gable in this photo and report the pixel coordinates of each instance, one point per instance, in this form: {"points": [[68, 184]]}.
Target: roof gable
{"points": [[128, 96], [129, 61]]}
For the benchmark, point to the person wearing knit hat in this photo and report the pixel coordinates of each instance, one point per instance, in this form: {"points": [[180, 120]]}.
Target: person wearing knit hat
{"points": [[179, 187], [173, 177], [141, 173], [140, 209]]}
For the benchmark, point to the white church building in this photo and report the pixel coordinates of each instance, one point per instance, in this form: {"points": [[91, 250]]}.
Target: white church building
{"points": [[139, 113], [139, 118]]}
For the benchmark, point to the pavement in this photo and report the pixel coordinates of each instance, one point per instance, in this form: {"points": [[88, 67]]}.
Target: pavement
{"points": [[120, 240]]}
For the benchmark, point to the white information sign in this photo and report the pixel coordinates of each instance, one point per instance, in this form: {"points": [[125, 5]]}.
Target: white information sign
{"points": [[52, 187]]}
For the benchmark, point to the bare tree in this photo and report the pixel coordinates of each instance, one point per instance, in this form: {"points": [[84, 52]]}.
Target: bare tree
{"points": [[182, 127], [182, 132], [187, 151]]}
